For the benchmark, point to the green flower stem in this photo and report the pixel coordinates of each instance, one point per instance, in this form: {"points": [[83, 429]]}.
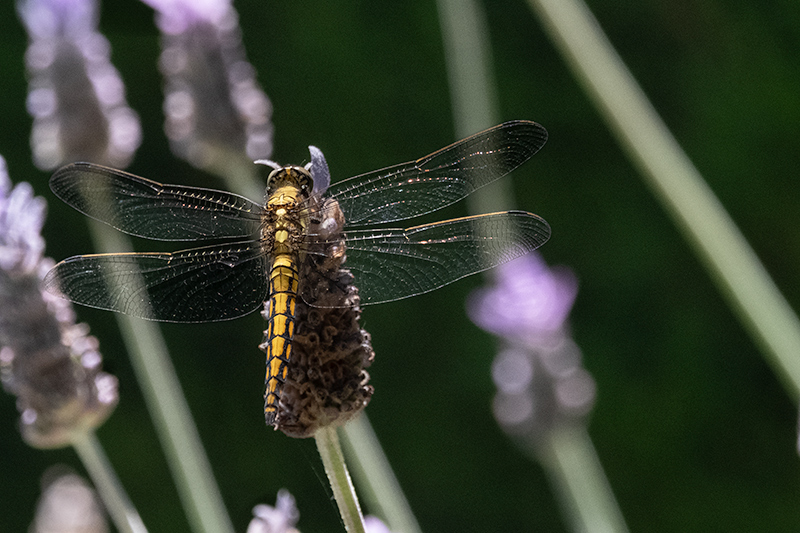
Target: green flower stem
{"points": [[572, 465], [173, 421], [109, 488], [675, 181], [471, 80], [375, 477], [339, 478], [465, 39], [239, 173], [568, 454]]}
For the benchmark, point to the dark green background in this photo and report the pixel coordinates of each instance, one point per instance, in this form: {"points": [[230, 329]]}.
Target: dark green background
{"points": [[691, 425]]}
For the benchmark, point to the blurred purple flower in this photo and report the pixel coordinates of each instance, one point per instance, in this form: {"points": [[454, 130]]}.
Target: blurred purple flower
{"points": [[67, 505], [539, 378], [373, 524], [76, 97], [216, 112], [48, 361], [21, 220], [279, 519], [528, 301]]}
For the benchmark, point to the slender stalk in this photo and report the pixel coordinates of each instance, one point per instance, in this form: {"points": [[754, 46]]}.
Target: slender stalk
{"points": [[173, 421], [240, 175], [568, 455], [381, 490], [339, 478], [675, 181], [124, 515], [473, 96], [465, 38]]}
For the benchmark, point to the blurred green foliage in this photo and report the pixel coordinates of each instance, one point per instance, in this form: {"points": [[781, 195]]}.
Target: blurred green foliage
{"points": [[693, 429]]}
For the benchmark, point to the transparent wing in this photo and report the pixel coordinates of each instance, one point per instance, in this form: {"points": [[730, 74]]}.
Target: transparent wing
{"points": [[198, 285], [392, 264], [145, 208], [439, 179]]}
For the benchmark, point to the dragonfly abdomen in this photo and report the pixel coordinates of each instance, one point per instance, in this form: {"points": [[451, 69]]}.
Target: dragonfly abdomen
{"points": [[283, 282]]}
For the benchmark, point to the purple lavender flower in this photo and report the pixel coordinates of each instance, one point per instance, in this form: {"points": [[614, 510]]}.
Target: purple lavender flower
{"points": [[538, 372], [529, 300], [373, 524], [76, 96], [216, 111], [68, 504], [47, 360], [279, 519]]}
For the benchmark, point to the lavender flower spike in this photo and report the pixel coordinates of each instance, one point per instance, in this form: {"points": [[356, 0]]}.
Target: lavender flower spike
{"points": [[216, 111], [538, 372], [279, 519], [47, 360], [68, 503], [76, 96]]}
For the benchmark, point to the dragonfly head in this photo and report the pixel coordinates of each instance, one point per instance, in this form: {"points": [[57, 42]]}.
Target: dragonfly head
{"points": [[290, 176]]}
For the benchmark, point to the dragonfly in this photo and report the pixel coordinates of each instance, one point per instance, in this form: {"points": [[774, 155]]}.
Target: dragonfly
{"points": [[255, 263]]}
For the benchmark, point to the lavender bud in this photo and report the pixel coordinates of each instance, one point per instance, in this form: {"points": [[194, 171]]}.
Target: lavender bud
{"points": [[76, 96], [48, 361], [215, 108]]}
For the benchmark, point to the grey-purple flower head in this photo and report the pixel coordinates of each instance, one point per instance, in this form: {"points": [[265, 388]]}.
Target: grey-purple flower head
{"points": [[50, 363], [76, 96], [21, 220], [217, 114]]}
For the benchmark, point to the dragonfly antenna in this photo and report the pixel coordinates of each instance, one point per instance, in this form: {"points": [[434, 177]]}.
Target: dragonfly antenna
{"points": [[268, 162]]}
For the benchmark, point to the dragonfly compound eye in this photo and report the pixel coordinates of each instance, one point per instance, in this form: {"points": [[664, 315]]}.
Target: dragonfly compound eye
{"points": [[290, 176]]}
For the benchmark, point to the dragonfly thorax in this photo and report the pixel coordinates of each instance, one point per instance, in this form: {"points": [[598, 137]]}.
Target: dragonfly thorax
{"points": [[291, 177], [285, 216]]}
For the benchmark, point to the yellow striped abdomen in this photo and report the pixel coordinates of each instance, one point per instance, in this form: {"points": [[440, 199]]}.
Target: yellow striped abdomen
{"points": [[283, 281]]}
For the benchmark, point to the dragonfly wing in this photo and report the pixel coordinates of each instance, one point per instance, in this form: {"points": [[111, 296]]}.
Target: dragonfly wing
{"points": [[439, 179], [392, 264], [145, 208], [198, 285]]}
